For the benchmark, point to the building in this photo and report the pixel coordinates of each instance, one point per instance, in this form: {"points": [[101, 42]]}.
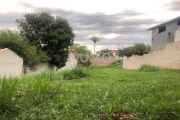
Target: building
{"points": [[10, 63], [165, 33]]}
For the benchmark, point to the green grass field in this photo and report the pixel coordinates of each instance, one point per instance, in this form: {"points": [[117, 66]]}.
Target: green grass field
{"points": [[105, 90]]}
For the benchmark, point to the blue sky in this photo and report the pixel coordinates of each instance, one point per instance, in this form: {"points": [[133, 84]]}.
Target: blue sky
{"points": [[115, 22]]}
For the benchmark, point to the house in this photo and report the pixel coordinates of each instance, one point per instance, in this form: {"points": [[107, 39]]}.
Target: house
{"points": [[10, 63], [165, 33]]}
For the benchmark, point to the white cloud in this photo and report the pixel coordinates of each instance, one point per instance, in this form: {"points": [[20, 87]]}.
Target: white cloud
{"points": [[110, 36]]}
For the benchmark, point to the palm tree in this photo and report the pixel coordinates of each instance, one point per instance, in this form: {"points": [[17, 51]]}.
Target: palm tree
{"points": [[94, 39]]}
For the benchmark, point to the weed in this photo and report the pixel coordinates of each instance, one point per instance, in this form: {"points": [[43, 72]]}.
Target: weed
{"points": [[106, 92], [116, 64], [75, 73], [7, 90], [149, 68]]}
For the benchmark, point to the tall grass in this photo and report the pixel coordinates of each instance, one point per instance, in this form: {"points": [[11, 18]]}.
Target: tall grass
{"points": [[8, 88], [76, 73], [149, 68], [148, 95], [116, 64]]}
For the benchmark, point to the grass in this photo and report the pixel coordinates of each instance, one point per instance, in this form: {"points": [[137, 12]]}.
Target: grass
{"points": [[149, 68], [75, 73], [149, 95]]}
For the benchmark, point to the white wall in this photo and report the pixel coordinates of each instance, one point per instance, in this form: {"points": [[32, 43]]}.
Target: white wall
{"points": [[71, 63], [10, 63]]}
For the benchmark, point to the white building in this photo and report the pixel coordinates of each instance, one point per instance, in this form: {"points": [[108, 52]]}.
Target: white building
{"points": [[10, 63]]}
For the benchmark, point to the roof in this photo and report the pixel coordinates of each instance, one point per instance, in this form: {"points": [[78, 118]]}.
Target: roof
{"points": [[162, 24]]}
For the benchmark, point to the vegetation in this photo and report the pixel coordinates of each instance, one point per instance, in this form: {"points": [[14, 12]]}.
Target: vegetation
{"points": [[141, 49], [128, 51], [20, 45], [118, 63], [75, 73], [148, 95], [104, 53], [50, 34], [82, 54], [137, 49], [149, 68], [95, 40]]}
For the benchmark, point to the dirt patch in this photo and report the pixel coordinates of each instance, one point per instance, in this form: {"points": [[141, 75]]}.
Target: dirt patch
{"points": [[119, 115]]}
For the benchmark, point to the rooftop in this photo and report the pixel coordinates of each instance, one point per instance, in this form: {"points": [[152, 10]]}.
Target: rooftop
{"points": [[162, 24]]}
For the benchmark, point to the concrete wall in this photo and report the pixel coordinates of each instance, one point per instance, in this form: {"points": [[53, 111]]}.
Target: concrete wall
{"points": [[71, 63], [10, 63], [167, 58], [159, 40], [103, 61]]}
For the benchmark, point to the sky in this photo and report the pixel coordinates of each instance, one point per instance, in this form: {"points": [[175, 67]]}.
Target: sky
{"points": [[117, 23]]}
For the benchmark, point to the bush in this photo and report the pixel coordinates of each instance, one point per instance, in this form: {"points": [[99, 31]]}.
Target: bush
{"points": [[149, 68], [75, 73], [115, 64]]}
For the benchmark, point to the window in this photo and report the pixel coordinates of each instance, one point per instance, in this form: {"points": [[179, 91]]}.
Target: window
{"points": [[162, 29], [178, 22], [169, 35]]}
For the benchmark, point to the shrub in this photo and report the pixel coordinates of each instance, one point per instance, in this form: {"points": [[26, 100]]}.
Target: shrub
{"points": [[75, 73], [115, 64], [148, 68]]}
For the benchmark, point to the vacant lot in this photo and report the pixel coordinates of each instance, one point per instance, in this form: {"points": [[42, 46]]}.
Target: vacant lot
{"points": [[146, 95]]}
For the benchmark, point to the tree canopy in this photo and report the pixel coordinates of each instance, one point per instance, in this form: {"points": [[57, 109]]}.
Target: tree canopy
{"points": [[50, 34], [95, 40], [104, 53], [20, 45], [141, 49], [137, 49]]}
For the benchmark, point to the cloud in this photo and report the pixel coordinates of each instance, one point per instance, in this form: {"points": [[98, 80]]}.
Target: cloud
{"points": [[123, 25], [174, 5], [8, 20]]}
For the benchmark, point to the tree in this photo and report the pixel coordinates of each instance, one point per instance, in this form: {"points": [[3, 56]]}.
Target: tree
{"points": [[48, 33], [94, 39], [105, 53], [141, 49], [82, 54], [128, 51], [20, 45], [120, 53]]}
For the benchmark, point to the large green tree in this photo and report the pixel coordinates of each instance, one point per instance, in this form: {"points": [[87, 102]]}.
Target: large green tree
{"points": [[20, 45], [50, 34]]}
